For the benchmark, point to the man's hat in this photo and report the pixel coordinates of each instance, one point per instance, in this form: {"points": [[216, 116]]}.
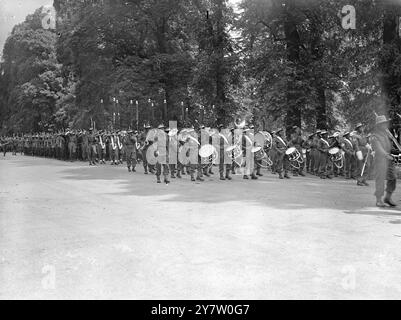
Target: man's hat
{"points": [[381, 119], [147, 126], [358, 125], [161, 126], [251, 126]]}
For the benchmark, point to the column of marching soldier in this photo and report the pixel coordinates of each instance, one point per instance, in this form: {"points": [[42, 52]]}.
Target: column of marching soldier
{"points": [[352, 157]]}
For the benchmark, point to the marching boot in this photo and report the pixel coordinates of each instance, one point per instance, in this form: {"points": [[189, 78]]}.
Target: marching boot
{"points": [[365, 183], [211, 171], [199, 178], [222, 177], [228, 177], [286, 175], [158, 179], [179, 175], [254, 177], [173, 175], [380, 203], [166, 181], [133, 169], [302, 174], [146, 171], [129, 169], [389, 201], [258, 173], [280, 176], [246, 177], [193, 178]]}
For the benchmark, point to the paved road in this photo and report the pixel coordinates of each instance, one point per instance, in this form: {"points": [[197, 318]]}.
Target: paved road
{"points": [[68, 230]]}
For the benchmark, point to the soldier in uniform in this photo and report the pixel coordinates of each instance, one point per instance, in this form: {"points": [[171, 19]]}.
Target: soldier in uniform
{"points": [[384, 163], [92, 141], [84, 146], [72, 146], [280, 145], [224, 142], [173, 152], [323, 148], [161, 140], [297, 141], [247, 144], [309, 153], [257, 163], [334, 143], [3, 145], [316, 153], [146, 143], [360, 146], [129, 143], [102, 147], [349, 156]]}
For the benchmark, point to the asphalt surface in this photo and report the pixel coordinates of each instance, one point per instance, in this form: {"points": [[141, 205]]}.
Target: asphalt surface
{"points": [[70, 231]]}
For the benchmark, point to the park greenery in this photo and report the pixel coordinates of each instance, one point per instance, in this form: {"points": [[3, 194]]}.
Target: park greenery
{"points": [[275, 63]]}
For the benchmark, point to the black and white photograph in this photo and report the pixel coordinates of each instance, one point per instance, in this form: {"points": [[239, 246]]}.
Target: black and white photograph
{"points": [[193, 150]]}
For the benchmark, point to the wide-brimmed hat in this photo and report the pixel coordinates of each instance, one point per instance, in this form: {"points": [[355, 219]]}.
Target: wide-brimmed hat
{"points": [[381, 119]]}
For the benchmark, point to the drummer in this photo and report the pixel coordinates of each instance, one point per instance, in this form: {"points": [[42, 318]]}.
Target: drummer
{"points": [[335, 145]]}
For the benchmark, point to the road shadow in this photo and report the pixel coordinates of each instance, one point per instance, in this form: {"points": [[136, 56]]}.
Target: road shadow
{"points": [[298, 193], [378, 212]]}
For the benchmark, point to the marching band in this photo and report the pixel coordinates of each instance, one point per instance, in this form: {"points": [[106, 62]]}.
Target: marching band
{"points": [[241, 150]]}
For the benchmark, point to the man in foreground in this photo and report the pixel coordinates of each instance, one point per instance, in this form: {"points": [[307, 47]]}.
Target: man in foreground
{"points": [[385, 170]]}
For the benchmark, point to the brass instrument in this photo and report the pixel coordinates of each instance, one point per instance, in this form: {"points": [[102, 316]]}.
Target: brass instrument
{"points": [[235, 153]]}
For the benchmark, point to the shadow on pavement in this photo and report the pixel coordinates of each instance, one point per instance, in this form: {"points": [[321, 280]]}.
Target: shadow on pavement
{"points": [[298, 193]]}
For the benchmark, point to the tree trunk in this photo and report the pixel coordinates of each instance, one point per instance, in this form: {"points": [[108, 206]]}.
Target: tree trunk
{"points": [[293, 117], [390, 82]]}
